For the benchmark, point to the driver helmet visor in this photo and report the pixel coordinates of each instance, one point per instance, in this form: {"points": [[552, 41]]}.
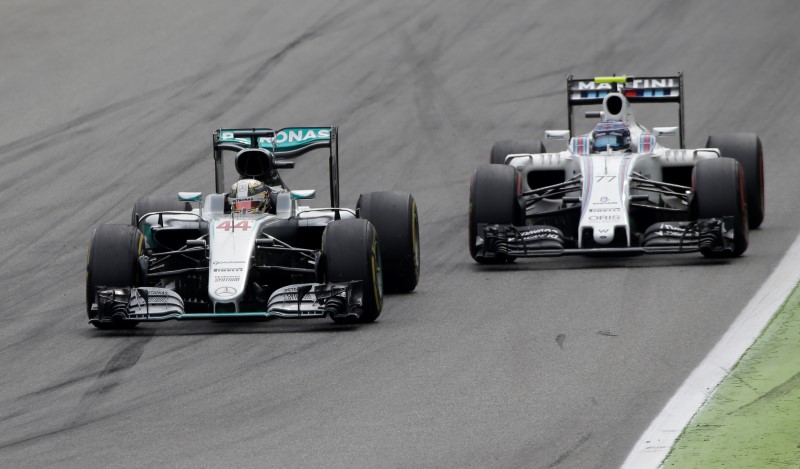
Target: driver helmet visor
{"points": [[245, 205], [606, 140], [249, 205], [601, 142]]}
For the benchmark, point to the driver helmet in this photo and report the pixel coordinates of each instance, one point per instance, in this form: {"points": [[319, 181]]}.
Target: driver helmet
{"points": [[249, 196], [613, 136]]}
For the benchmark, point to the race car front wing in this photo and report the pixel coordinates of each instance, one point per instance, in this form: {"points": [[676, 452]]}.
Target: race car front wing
{"points": [[151, 304], [510, 241]]}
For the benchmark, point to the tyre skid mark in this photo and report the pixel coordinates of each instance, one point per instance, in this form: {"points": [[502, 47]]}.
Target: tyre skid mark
{"points": [[778, 391], [563, 457], [105, 382]]}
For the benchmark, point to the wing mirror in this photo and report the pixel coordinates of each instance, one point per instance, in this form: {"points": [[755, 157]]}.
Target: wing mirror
{"points": [[304, 194], [190, 196], [558, 135], [665, 131], [706, 153]]}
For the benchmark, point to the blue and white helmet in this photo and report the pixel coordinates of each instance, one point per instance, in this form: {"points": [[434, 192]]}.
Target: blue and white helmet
{"points": [[613, 135]]}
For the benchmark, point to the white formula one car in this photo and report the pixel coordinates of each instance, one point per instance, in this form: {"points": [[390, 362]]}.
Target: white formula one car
{"points": [[254, 251], [617, 189]]}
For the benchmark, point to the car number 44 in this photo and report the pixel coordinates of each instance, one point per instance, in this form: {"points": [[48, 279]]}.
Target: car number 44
{"points": [[228, 225]]}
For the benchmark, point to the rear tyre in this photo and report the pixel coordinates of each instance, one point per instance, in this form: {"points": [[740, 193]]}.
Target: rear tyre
{"points": [[394, 216], [112, 261], [157, 203], [352, 253], [719, 192], [746, 149], [501, 149], [493, 199]]}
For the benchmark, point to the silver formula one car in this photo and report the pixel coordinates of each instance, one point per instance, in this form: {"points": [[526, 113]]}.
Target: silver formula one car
{"points": [[617, 189], [254, 251]]}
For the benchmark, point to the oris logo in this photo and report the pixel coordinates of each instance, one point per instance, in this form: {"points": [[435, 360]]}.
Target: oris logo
{"points": [[605, 217]]}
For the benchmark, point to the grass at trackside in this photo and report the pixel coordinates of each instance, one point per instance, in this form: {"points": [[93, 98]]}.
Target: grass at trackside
{"points": [[752, 420]]}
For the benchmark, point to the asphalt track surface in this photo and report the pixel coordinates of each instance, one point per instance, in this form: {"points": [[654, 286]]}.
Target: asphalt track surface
{"points": [[544, 363]]}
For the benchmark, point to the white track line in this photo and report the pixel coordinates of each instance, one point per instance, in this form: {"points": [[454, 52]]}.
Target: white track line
{"points": [[657, 440]]}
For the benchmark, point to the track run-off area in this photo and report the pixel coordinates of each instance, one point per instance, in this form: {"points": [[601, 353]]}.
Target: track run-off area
{"points": [[743, 399], [545, 363]]}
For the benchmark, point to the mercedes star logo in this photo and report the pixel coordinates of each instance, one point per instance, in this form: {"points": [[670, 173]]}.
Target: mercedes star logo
{"points": [[225, 291]]}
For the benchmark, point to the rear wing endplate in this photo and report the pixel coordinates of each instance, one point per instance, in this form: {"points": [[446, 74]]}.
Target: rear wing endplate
{"points": [[658, 89], [289, 142]]}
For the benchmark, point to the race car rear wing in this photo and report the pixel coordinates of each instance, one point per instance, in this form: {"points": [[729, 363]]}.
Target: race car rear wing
{"points": [[286, 143], [659, 89]]}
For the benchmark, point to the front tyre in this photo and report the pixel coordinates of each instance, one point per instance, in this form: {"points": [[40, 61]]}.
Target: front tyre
{"points": [[352, 253], [493, 199], [112, 261], [394, 216], [746, 149], [719, 192]]}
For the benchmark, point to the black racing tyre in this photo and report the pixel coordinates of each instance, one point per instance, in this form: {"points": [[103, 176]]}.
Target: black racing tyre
{"points": [[113, 261], [352, 253], [157, 203], [746, 149], [394, 216], [719, 192], [499, 151], [493, 199]]}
